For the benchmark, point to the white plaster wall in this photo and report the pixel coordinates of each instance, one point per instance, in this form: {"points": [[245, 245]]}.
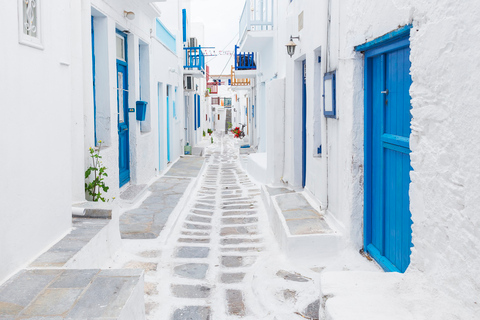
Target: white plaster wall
{"points": [[444, 192], [35, 137], [167, 71], [142, 135]]}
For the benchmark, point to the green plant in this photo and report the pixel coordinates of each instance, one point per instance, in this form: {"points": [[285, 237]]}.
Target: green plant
{"points": [[211, 139], [204, 133], [209, 131], [229, 125], [97, 185]]}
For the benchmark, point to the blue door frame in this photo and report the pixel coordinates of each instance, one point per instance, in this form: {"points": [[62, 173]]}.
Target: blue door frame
{"points": [[168, 122], [304, 122], [122, 117], [387, 218], [160, 135], [94, 89]]}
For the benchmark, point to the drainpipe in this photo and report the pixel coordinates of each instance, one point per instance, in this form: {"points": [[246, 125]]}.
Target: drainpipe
{"points": [[327, 69]]}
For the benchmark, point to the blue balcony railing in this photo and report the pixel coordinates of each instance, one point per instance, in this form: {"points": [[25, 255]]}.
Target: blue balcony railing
{"points": [[194, 58], [257, 15], [244, 60]]}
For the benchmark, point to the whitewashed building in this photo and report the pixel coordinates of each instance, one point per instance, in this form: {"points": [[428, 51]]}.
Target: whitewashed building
{"points": [[77, 72], [373, 117]]}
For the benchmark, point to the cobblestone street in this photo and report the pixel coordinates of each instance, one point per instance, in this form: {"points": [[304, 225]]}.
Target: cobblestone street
{"points": [[220, 260]]}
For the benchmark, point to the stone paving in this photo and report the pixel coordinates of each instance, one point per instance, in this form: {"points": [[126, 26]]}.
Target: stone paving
{"points": [[221, 261], [83, 230], [148, 220], [70, 294]]}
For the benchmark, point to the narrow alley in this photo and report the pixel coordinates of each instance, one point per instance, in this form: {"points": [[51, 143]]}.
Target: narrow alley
{"points": [[218, 258], [240, 159]]}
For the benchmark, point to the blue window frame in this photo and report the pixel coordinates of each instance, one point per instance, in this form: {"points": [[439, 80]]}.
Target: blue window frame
{"points": [[329, 95]]}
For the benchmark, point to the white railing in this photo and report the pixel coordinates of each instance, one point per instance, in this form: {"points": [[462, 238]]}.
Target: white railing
{"points": [[257, 15]]}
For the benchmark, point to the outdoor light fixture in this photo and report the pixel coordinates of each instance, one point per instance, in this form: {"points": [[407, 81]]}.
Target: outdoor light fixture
{"points": [[291, 46], [130, 15]]}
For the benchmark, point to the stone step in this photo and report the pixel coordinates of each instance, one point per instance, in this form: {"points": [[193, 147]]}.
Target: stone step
{"points": [[73, 294], [301, 231], [90, 243]]}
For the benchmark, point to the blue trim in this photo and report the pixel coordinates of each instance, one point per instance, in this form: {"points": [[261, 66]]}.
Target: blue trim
{"points": [[168, 121], [304, 124], [94, 88], [198, 111], [124, 176], [382, 261], [174, 111], [165, 36], [330, 76], [195, 112], [184, 24], [380, 41], [159, 131]]}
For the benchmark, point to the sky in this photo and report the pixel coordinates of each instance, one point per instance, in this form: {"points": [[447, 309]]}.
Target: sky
{"points": [[220, 19]]}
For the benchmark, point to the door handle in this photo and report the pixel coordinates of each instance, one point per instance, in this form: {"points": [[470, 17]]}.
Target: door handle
{"points": [[125, 129], [385, 92]]}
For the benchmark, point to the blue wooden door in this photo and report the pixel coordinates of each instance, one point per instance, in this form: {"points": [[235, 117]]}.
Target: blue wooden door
{"points": [[168, 123], [122, 108], [388, 220], [304, 122]]}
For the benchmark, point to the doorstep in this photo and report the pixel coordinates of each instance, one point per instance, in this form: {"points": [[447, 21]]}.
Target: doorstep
{"points": [[73, 294], [302, 232]]}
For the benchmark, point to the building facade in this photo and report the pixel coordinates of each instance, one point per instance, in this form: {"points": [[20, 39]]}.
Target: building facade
{"points": [[81, 72], [364, 117]]}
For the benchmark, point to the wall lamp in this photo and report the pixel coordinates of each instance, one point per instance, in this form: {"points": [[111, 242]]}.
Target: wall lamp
{"points": [[291, 46], [130, 15]]}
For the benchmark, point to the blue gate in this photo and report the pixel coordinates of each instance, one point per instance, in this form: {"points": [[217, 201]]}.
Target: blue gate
{"points": [[388, 231]]}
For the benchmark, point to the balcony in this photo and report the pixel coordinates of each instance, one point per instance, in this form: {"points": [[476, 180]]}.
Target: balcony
{"points": [[212, 87], [215, 100], [194, 61], [245, 64], [256, 25], [236, 82]]}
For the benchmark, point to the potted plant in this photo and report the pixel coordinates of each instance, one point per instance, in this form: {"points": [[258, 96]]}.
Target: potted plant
{"points": [[209, 132]]}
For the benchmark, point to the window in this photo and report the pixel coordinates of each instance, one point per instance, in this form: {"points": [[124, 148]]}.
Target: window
{"points": [[329, 99], [120, 48], [29, 23]]}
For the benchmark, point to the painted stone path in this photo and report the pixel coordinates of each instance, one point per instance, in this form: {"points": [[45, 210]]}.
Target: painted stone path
{"points": [[220, 261]]}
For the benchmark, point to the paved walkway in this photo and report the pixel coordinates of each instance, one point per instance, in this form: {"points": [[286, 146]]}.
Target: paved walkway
{"points": [[148, 220], [219, 260]]}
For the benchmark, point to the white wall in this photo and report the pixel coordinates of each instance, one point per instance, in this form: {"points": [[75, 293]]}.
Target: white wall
{"points": [[142, 46], [166, 70], [35, 167], [444, 142]]}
